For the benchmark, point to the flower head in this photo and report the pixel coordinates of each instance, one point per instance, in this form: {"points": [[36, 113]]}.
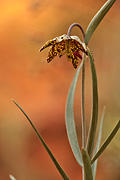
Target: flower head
{"points": [[69, 45]]}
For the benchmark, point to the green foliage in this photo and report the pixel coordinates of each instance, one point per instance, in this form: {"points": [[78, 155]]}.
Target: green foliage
{"points": [[97, 19], [70, 121], [107, 141], [61, 171], [87, 169], [85, 156], [94, 116], [94, 165]]}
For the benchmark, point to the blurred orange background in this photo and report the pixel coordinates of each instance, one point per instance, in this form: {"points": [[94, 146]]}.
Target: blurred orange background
{"points": [[41, 89]]}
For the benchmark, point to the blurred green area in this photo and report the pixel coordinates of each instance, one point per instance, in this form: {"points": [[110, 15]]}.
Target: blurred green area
{"points": [[41, 89]]}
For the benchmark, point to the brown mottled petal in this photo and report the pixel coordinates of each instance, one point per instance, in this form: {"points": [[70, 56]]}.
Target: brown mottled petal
{"points": [[73, 59], [47, 44], [74, 47], [80, 46], [60, 48], [52, 53], [75, 62]]}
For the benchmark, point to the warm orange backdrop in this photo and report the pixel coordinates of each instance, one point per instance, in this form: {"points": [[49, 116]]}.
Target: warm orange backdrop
{"points": [[41, 88]]}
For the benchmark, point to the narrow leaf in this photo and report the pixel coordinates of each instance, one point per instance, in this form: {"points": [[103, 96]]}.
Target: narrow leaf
{"points": [[61, 171], [97, 19], [87, 169], [94, 117], [70, 121], [107, 142], [94, 166]]}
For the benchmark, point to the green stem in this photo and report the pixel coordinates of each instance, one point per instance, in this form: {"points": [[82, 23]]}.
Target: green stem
{"points": [[87, 169], [83, 103], [94, 116], [83, 85]]}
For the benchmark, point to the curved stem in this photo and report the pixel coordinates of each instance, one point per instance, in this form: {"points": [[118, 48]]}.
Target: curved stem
{"points": [[81, 28], [83, 85]]}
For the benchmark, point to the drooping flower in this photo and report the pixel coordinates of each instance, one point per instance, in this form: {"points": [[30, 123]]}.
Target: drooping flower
{"points": [[69, 45]]}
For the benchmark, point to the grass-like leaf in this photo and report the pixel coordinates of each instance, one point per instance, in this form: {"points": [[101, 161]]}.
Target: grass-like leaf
{"points": [[61, 171], [107, 142], [70, 121], [94, 117], [87, 166], [94, 165], [97, 19]]}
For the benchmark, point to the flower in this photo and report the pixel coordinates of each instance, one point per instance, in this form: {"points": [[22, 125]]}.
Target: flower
{"points": [[69, 45]]}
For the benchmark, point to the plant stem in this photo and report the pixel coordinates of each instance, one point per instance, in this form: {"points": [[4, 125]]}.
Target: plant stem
{"points": [[83, 85], [76, 24], [94, 115], [83, 103], [87, 169]]}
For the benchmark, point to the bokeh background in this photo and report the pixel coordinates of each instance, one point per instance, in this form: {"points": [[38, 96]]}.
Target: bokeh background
{"points": [[41, 89]]}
